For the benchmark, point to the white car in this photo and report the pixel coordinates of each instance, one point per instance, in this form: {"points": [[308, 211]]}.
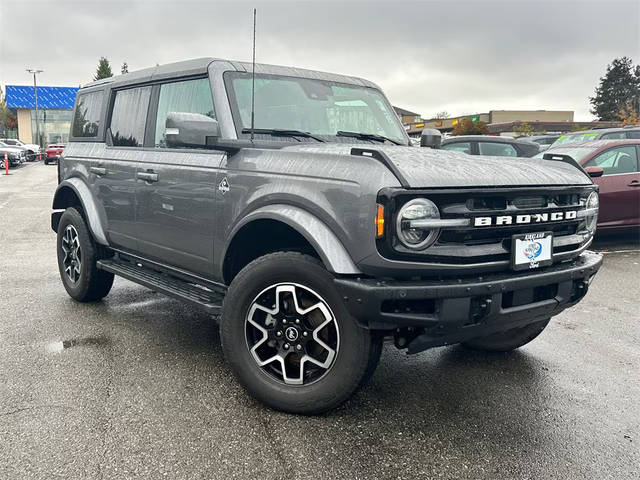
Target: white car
{"points": [[31, 149]]}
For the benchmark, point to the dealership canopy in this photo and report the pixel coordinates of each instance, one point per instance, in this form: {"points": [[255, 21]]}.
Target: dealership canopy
{"points": [[20, 96]]}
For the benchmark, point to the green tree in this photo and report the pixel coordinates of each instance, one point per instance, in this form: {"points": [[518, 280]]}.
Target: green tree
{"points": [[466, 126], [125, 68], [619, 86], [103, 70], [7, 118]]}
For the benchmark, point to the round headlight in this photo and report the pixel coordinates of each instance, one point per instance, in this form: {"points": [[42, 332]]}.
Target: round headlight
{"points": [[410, 234], [592, 205]]}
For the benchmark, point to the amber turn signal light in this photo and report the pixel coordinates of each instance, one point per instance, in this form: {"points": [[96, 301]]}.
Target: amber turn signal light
{"points": [[380, 221]]}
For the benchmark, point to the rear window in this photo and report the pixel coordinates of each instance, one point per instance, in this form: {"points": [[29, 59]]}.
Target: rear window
{"points": [[86, 119], [464, 147], [575, 138], [497, 149], [614, 136], [129, 117]]}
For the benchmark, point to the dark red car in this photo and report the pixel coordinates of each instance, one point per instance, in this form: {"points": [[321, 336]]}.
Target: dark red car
{"points": [[53, 152], [613, 165]]}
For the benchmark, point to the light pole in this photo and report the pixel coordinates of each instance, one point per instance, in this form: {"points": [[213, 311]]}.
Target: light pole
{"points": [[35, 93]]}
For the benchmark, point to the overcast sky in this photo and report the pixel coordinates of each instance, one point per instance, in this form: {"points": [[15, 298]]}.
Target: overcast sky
{"points": [[428, 56]]}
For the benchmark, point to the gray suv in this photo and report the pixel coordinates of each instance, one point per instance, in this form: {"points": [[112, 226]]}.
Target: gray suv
{"points": [[290, 205]]}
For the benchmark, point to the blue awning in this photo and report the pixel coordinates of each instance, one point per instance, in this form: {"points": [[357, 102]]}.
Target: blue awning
{"points": [[61, 98]]}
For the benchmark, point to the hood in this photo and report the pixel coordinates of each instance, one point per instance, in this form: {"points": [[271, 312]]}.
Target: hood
{"points": [[426, 167]]}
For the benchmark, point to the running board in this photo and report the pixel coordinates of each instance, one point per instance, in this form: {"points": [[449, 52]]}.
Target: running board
{"points": [[168, 285]]}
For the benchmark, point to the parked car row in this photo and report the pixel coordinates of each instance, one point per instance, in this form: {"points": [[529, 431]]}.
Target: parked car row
{"points": [[613, 165], [18, 154], [31, 150], [15, 155], [610, 156]]}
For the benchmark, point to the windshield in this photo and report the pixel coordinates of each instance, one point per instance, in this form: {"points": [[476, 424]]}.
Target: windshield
{"points": [[575, 138], [576, 153], [318, 107]]}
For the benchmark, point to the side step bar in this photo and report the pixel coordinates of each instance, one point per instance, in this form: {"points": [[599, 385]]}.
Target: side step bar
{"points": [[166, 284]]}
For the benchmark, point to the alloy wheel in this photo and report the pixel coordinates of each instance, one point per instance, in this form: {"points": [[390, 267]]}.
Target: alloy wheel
{"points": [[292, 334], [72, 253]]}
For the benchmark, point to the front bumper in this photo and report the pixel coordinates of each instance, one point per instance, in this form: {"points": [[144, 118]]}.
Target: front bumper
{"points": [[451, 311]]}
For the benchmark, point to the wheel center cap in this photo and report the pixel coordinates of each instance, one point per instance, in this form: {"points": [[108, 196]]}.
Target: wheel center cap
{"points": [[291, 333]]}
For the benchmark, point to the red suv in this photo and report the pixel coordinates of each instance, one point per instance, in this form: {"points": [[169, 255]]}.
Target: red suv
{"points": [[53, 152], [613, 164]]}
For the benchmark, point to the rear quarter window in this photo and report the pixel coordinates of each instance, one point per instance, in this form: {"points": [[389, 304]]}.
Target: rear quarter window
{"points": [[86, 118]]}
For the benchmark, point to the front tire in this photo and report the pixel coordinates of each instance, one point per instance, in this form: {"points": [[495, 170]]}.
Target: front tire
{"points": [[509, 340], [289, 339], [77, 256]]}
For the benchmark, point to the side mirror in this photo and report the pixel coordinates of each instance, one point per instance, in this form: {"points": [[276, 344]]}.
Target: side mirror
{"points": [[594, 171], [189, 130], [430, 137]]}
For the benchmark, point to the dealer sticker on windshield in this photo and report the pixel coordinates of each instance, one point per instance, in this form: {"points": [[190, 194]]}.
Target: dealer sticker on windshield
{"points": [[531, 250]]}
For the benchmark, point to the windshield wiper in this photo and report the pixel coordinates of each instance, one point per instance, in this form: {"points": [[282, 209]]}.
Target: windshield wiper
{"points": [[278, 132], [366, 136]]}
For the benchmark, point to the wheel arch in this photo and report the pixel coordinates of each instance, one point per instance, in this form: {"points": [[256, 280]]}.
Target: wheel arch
{"points": [[74, 192], [287, 224]]}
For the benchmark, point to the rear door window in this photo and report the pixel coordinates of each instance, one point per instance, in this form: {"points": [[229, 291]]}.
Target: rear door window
{"points": [[86, 118], [191, 96], [464, 147], [497, 149], [129, 116]]}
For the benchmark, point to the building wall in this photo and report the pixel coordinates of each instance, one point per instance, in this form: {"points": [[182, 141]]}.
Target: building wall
{"points": [[503, 116], [24, 125]]}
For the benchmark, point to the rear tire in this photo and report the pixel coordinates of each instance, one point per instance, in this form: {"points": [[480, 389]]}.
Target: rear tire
{"points": [[283, 357], [509, 340], [77, 256]]}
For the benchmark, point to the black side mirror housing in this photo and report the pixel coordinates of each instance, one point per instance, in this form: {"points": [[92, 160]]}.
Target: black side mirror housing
{"points": [[190, 130], [431, 138]]}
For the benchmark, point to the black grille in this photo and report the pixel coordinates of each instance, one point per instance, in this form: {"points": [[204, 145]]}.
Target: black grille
{"points": [[484, 244]]}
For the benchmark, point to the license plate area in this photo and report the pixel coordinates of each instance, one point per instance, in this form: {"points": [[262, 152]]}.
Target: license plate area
{"points": [[531, 250]]}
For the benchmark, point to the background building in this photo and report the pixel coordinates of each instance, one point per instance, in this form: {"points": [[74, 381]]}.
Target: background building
{"points": [[55, 105], [407, 117], [505, 122]]}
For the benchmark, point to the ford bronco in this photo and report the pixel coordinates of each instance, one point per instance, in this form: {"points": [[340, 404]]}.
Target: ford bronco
{"points": [[291, 206]]}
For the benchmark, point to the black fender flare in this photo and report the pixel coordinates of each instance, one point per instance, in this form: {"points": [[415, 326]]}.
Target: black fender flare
{"points": [[82, 192], [328, 246]]}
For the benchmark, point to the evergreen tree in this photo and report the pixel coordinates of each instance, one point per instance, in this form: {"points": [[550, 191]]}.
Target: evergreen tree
{"points": [[103, 70], [619, 87], [125, 68]]}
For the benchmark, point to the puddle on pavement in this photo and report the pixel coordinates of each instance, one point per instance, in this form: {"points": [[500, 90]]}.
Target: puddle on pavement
{"points": [[58, 346]]}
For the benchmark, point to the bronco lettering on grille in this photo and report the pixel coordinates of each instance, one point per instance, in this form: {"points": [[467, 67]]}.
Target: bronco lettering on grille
{"points": [[524, 219]]}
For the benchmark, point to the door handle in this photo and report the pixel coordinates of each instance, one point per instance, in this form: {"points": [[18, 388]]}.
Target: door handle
{"points": [[98, 171], [634, 183], [148, 176]]}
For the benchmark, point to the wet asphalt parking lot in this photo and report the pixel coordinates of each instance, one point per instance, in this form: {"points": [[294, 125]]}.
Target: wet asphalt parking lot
{"points": [[136, 386]]}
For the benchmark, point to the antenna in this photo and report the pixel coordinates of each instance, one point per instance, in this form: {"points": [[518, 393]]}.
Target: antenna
{"points": [[253, 76]]}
